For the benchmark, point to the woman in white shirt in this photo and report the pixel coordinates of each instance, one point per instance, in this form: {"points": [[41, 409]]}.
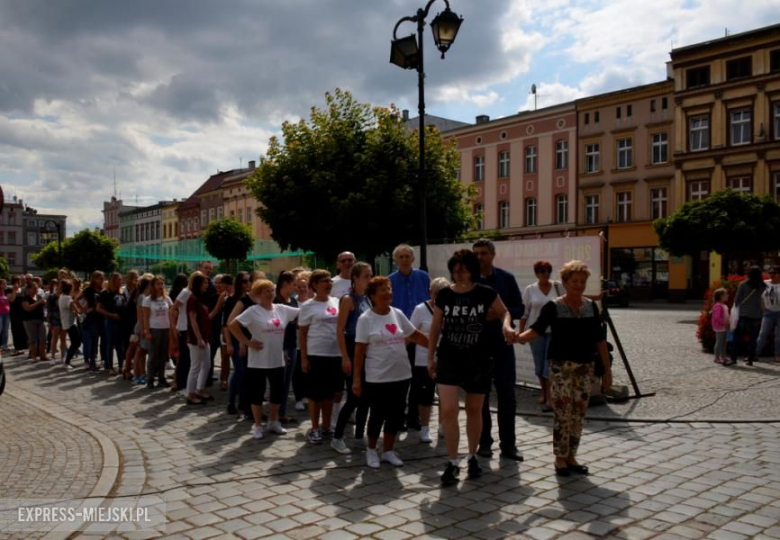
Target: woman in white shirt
{"points": [[69, 311], [320, 355], [157, 325], [423, 386], [770, 303], [535, 296], [266, 323], [380, 348]]}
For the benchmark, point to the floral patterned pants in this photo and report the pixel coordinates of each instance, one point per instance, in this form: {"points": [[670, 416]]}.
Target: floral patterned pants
{"points": [[571, 384]]}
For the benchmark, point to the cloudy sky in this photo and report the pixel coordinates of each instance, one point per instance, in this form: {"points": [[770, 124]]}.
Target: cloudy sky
{"points": [[167, 92]]}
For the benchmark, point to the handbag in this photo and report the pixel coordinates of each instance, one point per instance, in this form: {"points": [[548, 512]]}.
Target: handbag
{"points": [[734, 316]]}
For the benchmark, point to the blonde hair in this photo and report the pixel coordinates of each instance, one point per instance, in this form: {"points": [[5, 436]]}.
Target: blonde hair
{"points": [[574, 267], [718, 295], [192, 279], [261, 284], [438, 284]]}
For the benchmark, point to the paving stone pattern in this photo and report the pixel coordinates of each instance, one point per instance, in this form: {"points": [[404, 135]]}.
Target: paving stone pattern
{"points": [[698, 479]]}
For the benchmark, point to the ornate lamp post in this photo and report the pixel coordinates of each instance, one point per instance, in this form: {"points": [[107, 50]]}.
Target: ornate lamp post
{"points": [[51, 226], [407, 53]]}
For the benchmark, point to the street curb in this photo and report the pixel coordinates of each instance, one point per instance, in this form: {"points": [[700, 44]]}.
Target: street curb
{"points": [[109, 472], [669, 420]]}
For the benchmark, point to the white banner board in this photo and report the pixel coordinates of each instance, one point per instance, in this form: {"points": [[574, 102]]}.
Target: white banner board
{"points": [[518, 258]]}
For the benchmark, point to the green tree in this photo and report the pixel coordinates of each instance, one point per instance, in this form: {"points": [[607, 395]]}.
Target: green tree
{"points": [[5, 270], [348, 179], [49, 256], [227, 239], [726, 222], [169, 269], [89, 251]]}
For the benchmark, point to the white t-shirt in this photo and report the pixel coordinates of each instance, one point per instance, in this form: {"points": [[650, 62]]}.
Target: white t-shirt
{"points": [[534, 300], [66, 314], [267, 327], [771, 296], [321, 318], [159, 317], [386, 358], [341, 286], [181, 322], [421, 319]]}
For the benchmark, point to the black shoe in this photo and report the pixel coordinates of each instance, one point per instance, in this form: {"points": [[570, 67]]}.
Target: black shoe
{"points": [[485, 451], [475, 471], [163, 384], [450, 475], [562, 471], [579, 469], [512, 454], [231, 409], [150, 385]]}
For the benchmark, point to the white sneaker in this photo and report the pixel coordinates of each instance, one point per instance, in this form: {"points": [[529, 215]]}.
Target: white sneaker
{"points": [[425, 434], [276, 427], [372, 459], [67, 366], [340, 446], [392, 458], [257, 432], [299, 406]]}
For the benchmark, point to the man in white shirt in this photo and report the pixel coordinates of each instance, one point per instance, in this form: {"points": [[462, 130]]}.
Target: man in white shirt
{"points": [[342, 282]]}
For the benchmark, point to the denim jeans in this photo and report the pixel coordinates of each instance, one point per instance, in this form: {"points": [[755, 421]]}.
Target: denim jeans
{"points": [[504, 377], [89, 336], [75, 343], [752, 327], [771, 321], [5, 324], [113, 342], [237, 383], [539, 348]]}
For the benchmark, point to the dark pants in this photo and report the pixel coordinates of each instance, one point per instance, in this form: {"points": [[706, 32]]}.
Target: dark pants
{"points": [[413, 405], [75, 343], [353, 402], [386, 402], [158, 356], [750, 326], [18, 333], [237, 384], [113, 342], [504, 377], [183, 364], [90, 335]]}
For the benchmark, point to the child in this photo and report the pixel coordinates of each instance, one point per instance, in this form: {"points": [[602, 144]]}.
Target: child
{"points": [[720, 322]]}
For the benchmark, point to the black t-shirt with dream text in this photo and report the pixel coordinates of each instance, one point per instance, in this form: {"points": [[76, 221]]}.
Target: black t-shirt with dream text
{"points": [[463, 333], [113, 301]]}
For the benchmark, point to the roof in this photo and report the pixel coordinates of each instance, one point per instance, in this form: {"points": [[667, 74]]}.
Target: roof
{"points": [[442, 124], [627, 91], [551, 110], [726, 40], [213, 183]]}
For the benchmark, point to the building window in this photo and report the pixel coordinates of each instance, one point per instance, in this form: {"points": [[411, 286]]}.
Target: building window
{"points": [[592, 158], [530, 159], [587, 118], [699, 133], [591, 209], [2, 238], [530, 212], [617, 112], [479, 168], [776, 186], [660, 147], [503, 215], [11, 238], [212, 214], [738, 68], [220, 212], [652, 105], [241, 215], [629, 110], [659, 203], [232, 213], [741, 183], [625, 153], [774, 60], [699, 76], [624, 206], [203, 217], [11, 258], [596, 117], [562, 155], [249, 215], [698, 190], [157, 230], [480, 215], [776, 120], [562, 208], [503, 165], [740, 126]]}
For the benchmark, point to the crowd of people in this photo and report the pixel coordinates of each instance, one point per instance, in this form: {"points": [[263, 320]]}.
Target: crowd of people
{"points": [[379, 348]]}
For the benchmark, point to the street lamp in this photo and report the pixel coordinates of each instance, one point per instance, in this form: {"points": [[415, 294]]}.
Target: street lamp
{"points": [[407, 53], [51, 226]]}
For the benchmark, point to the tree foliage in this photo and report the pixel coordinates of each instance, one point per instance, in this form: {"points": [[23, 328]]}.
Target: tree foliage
{"points": [[88, 251], [227, 239], [348, 179], [726, 222], [5, 270], [48, 257], [169, 269]]}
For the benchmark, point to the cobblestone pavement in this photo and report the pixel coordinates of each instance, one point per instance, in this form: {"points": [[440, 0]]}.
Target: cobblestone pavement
{"points": [[692, 479]]}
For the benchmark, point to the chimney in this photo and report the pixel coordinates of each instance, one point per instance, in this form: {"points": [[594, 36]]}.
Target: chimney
{"points": [[483, 119], [405, 114], [252, 165]]}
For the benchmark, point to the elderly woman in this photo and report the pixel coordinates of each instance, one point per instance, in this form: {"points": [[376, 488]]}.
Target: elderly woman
{"points": [[462, 359], [575, 342], [535, 297]]}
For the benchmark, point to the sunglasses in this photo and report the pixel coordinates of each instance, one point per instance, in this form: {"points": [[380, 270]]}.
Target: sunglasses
{"points": [[346, 260], [543, 271]]}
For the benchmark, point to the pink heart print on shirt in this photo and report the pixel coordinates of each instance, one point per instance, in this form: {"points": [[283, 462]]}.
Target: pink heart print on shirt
{"points": [[391, 328], [275, 322], [331, 310]]}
